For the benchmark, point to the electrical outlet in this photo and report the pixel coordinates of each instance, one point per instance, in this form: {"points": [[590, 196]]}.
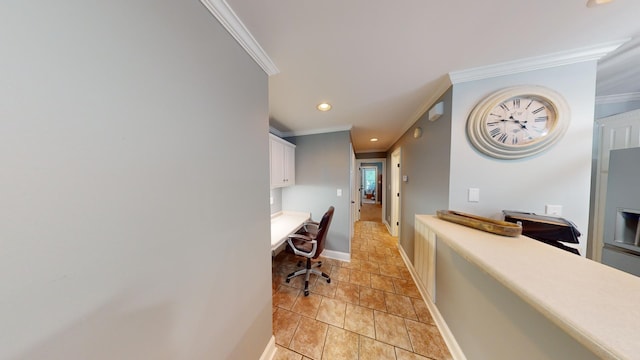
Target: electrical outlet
{"points": [[555, 210]]}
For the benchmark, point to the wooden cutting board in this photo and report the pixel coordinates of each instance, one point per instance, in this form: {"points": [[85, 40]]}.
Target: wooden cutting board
{"points": [[498, 227]]}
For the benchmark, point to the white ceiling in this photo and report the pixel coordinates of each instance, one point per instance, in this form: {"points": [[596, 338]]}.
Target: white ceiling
{"points": [[380, 63]]}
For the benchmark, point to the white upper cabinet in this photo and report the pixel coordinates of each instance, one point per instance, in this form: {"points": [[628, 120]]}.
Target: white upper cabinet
{"points": [[283, 162]]}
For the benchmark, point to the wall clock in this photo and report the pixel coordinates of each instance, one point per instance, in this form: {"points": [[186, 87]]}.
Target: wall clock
{"points": [[519, 121]]}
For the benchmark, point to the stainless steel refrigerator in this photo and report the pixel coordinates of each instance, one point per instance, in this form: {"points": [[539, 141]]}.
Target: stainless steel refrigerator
{"points": [[622, 212]]}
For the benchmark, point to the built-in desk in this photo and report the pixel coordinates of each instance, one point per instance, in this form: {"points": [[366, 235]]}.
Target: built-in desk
{"points": [[284, 223]]}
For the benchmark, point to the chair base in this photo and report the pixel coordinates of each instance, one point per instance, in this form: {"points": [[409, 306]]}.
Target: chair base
{"points": [[307, 271]]}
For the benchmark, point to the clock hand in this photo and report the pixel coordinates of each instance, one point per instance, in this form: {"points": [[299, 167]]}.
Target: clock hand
{"points": [[521, 123]]}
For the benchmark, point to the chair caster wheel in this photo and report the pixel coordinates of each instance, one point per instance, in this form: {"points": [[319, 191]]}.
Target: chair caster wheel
{"points": [[287, 280], [328, 281], [306, 293]]}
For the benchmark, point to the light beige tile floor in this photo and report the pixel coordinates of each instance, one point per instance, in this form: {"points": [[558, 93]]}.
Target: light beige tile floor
{"points": [[370, 310]]}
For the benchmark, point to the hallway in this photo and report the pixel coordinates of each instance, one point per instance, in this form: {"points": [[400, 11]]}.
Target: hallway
{"points": [[371, 212], [370, 310]]}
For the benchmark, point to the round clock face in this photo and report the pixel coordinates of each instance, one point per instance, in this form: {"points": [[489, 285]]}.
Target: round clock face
{"points": [[517, 122]]}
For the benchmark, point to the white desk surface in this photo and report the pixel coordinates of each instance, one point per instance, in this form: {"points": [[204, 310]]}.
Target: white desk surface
{"points": [[284, 223], [598, 305]]}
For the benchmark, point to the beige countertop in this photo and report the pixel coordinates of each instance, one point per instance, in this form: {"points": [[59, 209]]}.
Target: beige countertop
{"points": [[284, 223], [597, 305]]}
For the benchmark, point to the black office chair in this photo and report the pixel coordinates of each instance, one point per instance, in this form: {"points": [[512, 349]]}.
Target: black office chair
{"points": [[309, 243]]}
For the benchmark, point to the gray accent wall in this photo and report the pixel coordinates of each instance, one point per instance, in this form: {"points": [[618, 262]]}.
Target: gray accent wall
{"points": [[322, 167], [133, 172], [426, 163]]}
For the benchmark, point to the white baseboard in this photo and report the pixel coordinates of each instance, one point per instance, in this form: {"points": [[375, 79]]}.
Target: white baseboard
{"points": [[449, 339], [269, 352], [387, 225], [336, 255]]}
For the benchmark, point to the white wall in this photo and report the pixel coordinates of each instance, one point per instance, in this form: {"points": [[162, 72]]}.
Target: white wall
{"points": [[559, 176], [127, 228]]}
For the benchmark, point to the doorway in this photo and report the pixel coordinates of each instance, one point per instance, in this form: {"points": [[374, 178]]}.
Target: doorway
{"points": [[371, 189], [369, 185]]}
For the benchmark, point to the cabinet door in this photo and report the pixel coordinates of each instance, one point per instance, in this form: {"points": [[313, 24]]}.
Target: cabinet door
{"points": [[289, 165], [277, 163]]}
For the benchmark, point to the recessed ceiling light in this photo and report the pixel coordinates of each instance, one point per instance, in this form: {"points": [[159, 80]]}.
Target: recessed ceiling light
{"points": [[592, 3], [324, 106], [373, 139]]}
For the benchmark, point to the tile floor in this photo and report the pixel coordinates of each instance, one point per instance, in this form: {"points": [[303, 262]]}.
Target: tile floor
{"points": [[370, 310]]}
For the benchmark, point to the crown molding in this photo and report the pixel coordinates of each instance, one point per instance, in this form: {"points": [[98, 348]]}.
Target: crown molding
{"points": [[232, 23], [536, 63], [618, 98], [441, 87], [317, 131], [275, 131]]}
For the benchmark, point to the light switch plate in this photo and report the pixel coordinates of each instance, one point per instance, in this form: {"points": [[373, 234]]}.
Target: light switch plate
{"points": [[474, 195], [339, 192]]}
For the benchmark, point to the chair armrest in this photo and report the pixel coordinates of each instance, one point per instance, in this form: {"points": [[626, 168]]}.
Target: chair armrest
{"points": [[311, 224], [314, 244], [300, 237]]}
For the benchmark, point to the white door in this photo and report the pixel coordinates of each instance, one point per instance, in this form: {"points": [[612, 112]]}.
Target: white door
{"points": [[614, 132], [355, 211], [395, 192]]}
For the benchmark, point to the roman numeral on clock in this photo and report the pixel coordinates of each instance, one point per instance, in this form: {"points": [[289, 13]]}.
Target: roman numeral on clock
{"points": [[530, 102], [495, 132], [541, 119], [538, 110], [504, 106]]}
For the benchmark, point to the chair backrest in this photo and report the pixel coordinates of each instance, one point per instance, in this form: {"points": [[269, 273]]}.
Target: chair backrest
{"points": [[323, 229]]}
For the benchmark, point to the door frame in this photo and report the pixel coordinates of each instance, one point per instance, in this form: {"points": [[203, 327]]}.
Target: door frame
{"points": [[396, 157], [354, 213]]}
